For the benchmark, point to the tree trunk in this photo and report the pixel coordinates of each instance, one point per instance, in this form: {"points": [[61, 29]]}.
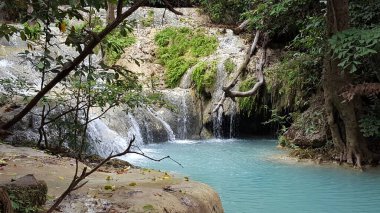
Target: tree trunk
{"points": [[342, 115], [5, 202], [110, 12], [70, 66]]}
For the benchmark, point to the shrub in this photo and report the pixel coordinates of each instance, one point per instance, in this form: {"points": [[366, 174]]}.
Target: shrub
{"points": [[229, 66], [204, 76], [180, 48]]}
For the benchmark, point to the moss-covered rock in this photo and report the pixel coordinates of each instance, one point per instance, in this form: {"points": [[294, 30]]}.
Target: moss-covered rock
{"points": [[310, 129], [27, 193], [179, 48]]}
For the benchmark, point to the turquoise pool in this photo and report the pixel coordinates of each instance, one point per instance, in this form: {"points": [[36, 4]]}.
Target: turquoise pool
{"points": [[247, 180]]}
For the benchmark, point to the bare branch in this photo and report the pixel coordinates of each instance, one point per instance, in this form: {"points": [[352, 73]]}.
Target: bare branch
{"points": [[104, 112], [260, 77], [241, 27], [76, 182], [171, 8], [240, 71], [157, 160]]}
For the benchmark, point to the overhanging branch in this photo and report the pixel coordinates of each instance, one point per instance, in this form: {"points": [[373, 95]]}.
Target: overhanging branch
{"points": [[241, 70]]}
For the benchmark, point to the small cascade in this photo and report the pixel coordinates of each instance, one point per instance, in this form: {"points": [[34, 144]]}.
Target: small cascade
{"points": [[184, 118], [217, 123], [136, 131], [104, 140], [233, 120], [169, 131]]}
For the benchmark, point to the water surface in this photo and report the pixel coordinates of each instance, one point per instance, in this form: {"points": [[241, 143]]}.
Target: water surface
{"points": [[247, 180]]}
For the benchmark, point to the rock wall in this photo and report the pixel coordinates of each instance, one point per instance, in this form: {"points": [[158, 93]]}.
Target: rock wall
{"points": [[189, 117]]}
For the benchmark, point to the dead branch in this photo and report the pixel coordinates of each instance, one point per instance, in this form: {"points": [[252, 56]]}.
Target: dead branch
{"points": [[241, 27], [141, 153], [77, 183], [240, 71], [171, 8], [259, 83]]}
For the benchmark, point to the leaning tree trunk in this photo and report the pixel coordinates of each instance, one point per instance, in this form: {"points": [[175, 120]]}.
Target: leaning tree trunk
{"points": [[110, 12], [5, 202], [342, 115]]}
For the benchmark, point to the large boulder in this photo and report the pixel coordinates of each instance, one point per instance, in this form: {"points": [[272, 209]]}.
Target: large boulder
{"points": [[310, 129]]}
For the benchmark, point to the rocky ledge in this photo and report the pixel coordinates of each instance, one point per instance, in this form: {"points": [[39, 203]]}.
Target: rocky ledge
{"points": [[124, 189]]}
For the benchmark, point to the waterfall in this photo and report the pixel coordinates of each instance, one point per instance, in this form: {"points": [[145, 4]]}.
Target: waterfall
{"points": [[136, 131], [104, 140], [217, 123], [184, 117], [169, 131], [233, 120]]}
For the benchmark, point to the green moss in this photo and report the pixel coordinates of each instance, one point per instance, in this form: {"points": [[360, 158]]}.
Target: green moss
{"points": [[247, 104], [204, 76], [229, 66], [148, 21], [158, 99], [180, 48], [114, 44], [31, 31]]}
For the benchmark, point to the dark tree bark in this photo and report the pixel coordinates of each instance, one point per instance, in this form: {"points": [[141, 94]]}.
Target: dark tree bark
{"points": [[341, 114], [5, 202]]}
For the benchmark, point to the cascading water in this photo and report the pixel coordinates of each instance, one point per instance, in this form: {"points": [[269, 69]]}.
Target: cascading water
{"points": [[217, 123], [233, 120], [184, 118], [104, 140], [169, 131], [136, 131]]}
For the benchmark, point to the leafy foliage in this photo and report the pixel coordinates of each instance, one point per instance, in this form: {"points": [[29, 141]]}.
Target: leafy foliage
{"points": [[225, 11], [247, 104], [370, 126], [364, 13], [148, 21], [31, 32], [204, 76], [280, 17], [353, 45], [22, 206], [180, 48], [229, 65], [115, 43], [311, 37], [292, 80]]}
